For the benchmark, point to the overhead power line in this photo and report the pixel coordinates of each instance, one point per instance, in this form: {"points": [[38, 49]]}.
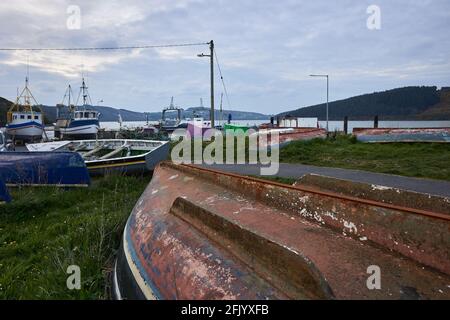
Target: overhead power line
{"points": [[108, 48], [223, 81]]}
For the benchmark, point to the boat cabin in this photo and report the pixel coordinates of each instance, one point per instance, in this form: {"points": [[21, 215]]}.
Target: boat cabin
{"points": [[21, 117], [85, 114]]}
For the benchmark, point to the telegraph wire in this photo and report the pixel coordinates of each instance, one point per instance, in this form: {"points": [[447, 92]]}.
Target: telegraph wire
{"points": [[108, 48], [223, 81], [131, 48]]}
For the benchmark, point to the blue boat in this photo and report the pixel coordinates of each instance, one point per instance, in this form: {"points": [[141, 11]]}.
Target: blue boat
{"points": [[4, 194], [64, 169], [82, 122]]}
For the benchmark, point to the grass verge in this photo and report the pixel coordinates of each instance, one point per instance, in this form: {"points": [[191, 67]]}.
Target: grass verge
{"points": [[44, 230], [424, 160]]}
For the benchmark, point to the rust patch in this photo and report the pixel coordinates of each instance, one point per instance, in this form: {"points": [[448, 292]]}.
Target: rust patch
{"points": [[205, 234]]}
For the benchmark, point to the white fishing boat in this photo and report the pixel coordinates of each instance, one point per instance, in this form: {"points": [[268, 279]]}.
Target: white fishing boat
{"points": [[2, 142], [122, 155], [169, 123], [83, 121], [25, 119]]}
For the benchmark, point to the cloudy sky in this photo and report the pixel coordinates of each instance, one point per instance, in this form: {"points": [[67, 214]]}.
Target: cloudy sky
{"points": [[266, 49]]}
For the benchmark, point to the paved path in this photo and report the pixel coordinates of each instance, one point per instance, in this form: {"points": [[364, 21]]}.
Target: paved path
{"points": [[435, 187]]}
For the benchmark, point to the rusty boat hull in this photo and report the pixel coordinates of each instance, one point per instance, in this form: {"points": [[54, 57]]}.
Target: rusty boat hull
{"points": [[387, 135], [200, 234]]}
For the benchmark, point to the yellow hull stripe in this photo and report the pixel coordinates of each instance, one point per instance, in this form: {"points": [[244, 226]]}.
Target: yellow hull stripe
{"points": [[112, 165]]}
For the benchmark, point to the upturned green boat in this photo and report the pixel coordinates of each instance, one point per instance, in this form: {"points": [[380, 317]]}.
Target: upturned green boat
{"points": [[235, 127]]}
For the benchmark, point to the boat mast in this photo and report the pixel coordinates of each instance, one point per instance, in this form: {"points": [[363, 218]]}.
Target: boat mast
{"points": [[26, 97], [84, 91], [68, 102]]}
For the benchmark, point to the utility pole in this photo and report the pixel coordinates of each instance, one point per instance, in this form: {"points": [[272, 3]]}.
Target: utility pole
{"points": [[211, 47], [328, 94], [211, 57]]}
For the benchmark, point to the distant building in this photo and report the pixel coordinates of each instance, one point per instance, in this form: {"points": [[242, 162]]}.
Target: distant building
{"points": [[294, 122]]}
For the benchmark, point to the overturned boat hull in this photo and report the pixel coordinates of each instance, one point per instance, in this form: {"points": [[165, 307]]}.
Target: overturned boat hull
{"points": [[4, 194], [386, 135], [199, 234], [64, 169], [288, 135]]}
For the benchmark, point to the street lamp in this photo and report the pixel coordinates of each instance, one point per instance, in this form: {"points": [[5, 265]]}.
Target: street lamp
{"points": [[324, 76], [211, 56]]}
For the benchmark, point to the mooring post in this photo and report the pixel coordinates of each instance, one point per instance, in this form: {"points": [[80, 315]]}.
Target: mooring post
{"points": [[346, 125]]}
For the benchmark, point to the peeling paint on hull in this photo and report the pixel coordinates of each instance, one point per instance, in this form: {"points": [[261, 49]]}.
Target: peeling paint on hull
{"points": [[201, 234]]}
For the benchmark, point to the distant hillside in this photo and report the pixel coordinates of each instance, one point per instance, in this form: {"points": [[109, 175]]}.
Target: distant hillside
{"points": [[408, 103], [112, 114], [106, 114], [441, 110]]}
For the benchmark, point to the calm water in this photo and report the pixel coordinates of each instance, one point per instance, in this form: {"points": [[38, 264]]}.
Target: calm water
{"points": [[333, 125], [136, 124]]}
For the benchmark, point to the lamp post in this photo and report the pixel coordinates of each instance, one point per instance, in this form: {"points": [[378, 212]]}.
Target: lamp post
{"points": [[324, 76], [211, 56]]}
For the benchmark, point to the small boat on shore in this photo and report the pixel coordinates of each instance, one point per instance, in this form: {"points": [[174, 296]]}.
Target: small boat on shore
{"points": [[288, 135], [197, 233], [229, 127], [390, 135], [123, 155], [63, 169]]}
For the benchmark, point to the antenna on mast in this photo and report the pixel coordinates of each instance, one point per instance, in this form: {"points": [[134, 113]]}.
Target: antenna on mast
{"points": [[28, 68]]}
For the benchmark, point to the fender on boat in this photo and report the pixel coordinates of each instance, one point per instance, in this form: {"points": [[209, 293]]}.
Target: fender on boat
{"points": [[198, 234]]}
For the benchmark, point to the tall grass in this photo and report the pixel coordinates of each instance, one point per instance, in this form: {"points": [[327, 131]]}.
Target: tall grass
{"points": [[425, 160], [43, 231]]}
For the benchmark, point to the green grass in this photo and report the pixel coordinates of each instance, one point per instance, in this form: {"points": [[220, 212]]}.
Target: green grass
{"points": [[424, 160], [43, 231], [288, 181]]}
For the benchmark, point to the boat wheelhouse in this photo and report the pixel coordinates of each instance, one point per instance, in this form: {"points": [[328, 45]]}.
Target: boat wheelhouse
{"points": [[197, 127], [170, 124], [24, 120]]}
